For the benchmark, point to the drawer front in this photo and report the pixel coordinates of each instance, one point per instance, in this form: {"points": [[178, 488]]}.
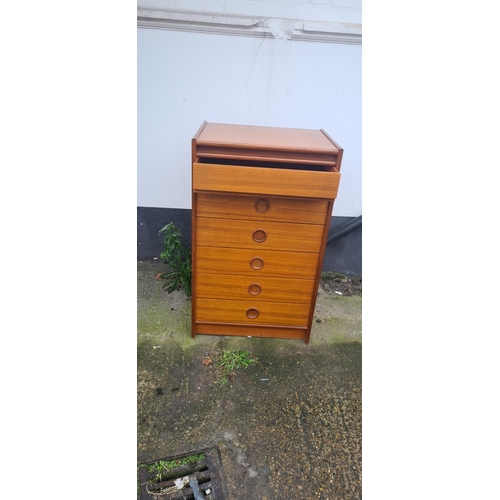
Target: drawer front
{"points": [[251, 234], [224, 286], [261, 208], [274, 331], [250, 262], [265, 181], [251, 312]]}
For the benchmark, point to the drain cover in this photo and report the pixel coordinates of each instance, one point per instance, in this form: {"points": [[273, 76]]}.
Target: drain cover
{"points": [[188, 476]]}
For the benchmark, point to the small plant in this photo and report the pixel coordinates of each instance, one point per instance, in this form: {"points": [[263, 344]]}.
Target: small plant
{"points": [[330, 276], [164, 466], [164, 471], [231, 361], [179, 260]]}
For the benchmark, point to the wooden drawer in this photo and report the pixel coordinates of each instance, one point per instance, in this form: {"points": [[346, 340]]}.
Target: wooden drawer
{"points": [[263, 288], [250, 262], [227, 206], [275, 331], [265, 181], [251, 312], [259, 235]]}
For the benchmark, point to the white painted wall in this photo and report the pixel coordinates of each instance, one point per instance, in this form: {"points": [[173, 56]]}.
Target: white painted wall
{"points": [[185, 77], [343, 11]]}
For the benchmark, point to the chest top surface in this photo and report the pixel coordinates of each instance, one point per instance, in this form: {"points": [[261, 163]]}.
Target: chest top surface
{"points": [[269, 138]]}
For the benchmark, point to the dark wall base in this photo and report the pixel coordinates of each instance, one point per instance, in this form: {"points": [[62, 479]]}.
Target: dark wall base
{"points": [[342, 255], [149, 223]]}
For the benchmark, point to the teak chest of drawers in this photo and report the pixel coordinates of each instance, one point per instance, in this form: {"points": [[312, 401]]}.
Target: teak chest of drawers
{"points": [[262, 202]]}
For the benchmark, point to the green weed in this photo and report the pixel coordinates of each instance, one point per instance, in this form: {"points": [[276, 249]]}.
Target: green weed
{"points": [[330, 276], [162, 467], [231, 361], [178, 258]]}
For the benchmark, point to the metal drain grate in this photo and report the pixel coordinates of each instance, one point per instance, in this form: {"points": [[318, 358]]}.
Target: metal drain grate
{"points": [[204, 472]]}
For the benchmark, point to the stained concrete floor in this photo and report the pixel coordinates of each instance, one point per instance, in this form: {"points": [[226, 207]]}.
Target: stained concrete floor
{"points": [[287, 427]]}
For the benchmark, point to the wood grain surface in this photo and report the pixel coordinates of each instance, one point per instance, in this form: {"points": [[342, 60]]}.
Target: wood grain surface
{"points": [[230, 206]]}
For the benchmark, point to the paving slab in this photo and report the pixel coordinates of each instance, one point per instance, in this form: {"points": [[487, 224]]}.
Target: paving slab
{"points": [[287, 427]]}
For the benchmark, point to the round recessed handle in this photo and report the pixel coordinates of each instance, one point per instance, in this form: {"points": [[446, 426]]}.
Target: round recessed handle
{"points": [[252, 313], [254, 289], [262, 205], [257, 263], [259, 236]]}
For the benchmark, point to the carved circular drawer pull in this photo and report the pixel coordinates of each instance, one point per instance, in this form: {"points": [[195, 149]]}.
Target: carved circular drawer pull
{"points": [[259, 236], [254, 289], [252, 313], [262, 205], [256, 263]]}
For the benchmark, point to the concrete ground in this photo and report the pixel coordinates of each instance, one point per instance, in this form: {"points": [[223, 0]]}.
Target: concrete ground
{"points": [[288, 427]]}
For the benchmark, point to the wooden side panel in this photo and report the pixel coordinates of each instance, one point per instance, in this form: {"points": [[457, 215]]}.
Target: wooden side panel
{"points": [[194, 260], [252, 312], [263, 288], [265, 181], [319, 268], [240, 260], [230, 233], [253, 207]]}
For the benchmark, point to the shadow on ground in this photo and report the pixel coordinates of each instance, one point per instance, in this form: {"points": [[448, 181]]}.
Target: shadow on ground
{"points": [[287, 427]]}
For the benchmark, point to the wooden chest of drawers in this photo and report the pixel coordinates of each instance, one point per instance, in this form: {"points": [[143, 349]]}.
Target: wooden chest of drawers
{"points": [[262, 203]]}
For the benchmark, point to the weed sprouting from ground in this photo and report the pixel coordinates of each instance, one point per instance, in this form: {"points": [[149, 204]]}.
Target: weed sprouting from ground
{"points": [[231, 361], [163, 467], [179, 260]]}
